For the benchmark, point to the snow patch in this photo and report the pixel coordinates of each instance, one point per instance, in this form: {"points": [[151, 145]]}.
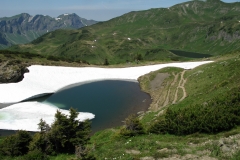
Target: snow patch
{"points": [[26, 116], [65, 14], [84, 23], [49, 79], [30, 18], [58, 19]]}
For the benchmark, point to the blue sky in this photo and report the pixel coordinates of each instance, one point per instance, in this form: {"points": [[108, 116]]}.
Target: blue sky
{"points": [[100, 10]]}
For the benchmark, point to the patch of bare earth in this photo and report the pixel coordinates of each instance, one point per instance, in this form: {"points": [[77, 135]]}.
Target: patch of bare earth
{"points": [[158, 80], [167, 92], [181, 85]]}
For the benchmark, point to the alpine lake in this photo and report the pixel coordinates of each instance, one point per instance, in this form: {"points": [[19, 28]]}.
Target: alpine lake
{"points": [[111, 101]]}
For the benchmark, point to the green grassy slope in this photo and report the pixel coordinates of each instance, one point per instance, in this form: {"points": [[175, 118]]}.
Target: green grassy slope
{"points": [[210, 27], [204, 83]]}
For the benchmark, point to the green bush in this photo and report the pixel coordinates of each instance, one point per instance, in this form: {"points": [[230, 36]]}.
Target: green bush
{"points": [[65, 133], [132, 127], [16, 145], [217, 115], [35, 155], [62, 136]]}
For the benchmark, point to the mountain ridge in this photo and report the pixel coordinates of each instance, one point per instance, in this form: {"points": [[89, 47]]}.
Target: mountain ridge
{"points": [[209, 27], [23, 28]]}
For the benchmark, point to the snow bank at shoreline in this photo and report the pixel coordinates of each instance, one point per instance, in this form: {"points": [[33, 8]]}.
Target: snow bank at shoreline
{"points": [[27, 115], [49, 79]]}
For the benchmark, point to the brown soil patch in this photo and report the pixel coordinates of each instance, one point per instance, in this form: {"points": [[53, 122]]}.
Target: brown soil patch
{"points": [[158, 80]]}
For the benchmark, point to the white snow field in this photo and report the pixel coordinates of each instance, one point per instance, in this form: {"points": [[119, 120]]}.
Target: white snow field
{"points": [[27, 115], [49, 79]]}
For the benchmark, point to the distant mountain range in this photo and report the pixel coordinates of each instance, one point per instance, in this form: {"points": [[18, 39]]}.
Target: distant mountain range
{"points": [[160, 34], [24, 28]]}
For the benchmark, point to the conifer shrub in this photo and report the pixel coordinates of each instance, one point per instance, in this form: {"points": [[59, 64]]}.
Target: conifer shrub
{"points": [[217, 115], [132, 127], [63, 135], [16, 145], [35, 155]]}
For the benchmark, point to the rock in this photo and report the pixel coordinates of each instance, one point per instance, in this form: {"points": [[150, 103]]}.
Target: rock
{"points": [[220, 143], [163, 150], [141, 112], [238, 142], [11, 72], [133, 152], [147, 158], [208, 158], [224, 148]]}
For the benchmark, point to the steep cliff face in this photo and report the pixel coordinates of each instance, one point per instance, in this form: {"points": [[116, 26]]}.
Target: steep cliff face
{"points": [[24, 28]]}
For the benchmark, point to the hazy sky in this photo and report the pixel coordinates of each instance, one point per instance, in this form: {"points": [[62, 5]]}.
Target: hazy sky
{"points": [[100, 10]]}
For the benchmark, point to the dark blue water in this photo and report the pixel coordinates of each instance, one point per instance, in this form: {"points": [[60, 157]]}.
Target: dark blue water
{"points": [[111, 101], [190, 54]]}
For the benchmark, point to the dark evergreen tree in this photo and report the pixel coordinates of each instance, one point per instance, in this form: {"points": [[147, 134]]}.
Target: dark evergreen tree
{"points": [[17, 144], [63, 136]]}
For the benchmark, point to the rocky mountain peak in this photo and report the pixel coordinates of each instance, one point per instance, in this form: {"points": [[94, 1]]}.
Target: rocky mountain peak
{"points": [[24, 27]]}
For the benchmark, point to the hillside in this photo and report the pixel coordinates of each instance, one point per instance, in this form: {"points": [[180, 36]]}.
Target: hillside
{"points": [[24, 28], [209, 94], [207, 27], [205, 86]]}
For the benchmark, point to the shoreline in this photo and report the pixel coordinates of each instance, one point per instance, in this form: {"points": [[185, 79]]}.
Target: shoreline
{"points": [[4, 105], [34, 82], [59, 78]]}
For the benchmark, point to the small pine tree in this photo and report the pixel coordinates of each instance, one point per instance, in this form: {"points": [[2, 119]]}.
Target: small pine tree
{"points": [[17, 144], [132, 127], [65, 133]]}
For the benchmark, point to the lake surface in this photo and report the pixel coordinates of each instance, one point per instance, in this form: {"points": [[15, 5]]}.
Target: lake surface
{"points": [[110, 100], [190, 54]]}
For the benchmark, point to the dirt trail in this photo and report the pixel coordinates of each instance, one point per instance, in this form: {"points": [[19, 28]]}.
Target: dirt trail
{"points": [[181, 85], [170, 94], [172, 84]]}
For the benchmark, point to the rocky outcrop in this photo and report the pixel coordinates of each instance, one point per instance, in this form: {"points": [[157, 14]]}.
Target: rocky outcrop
{"points": [[11, 72]]}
